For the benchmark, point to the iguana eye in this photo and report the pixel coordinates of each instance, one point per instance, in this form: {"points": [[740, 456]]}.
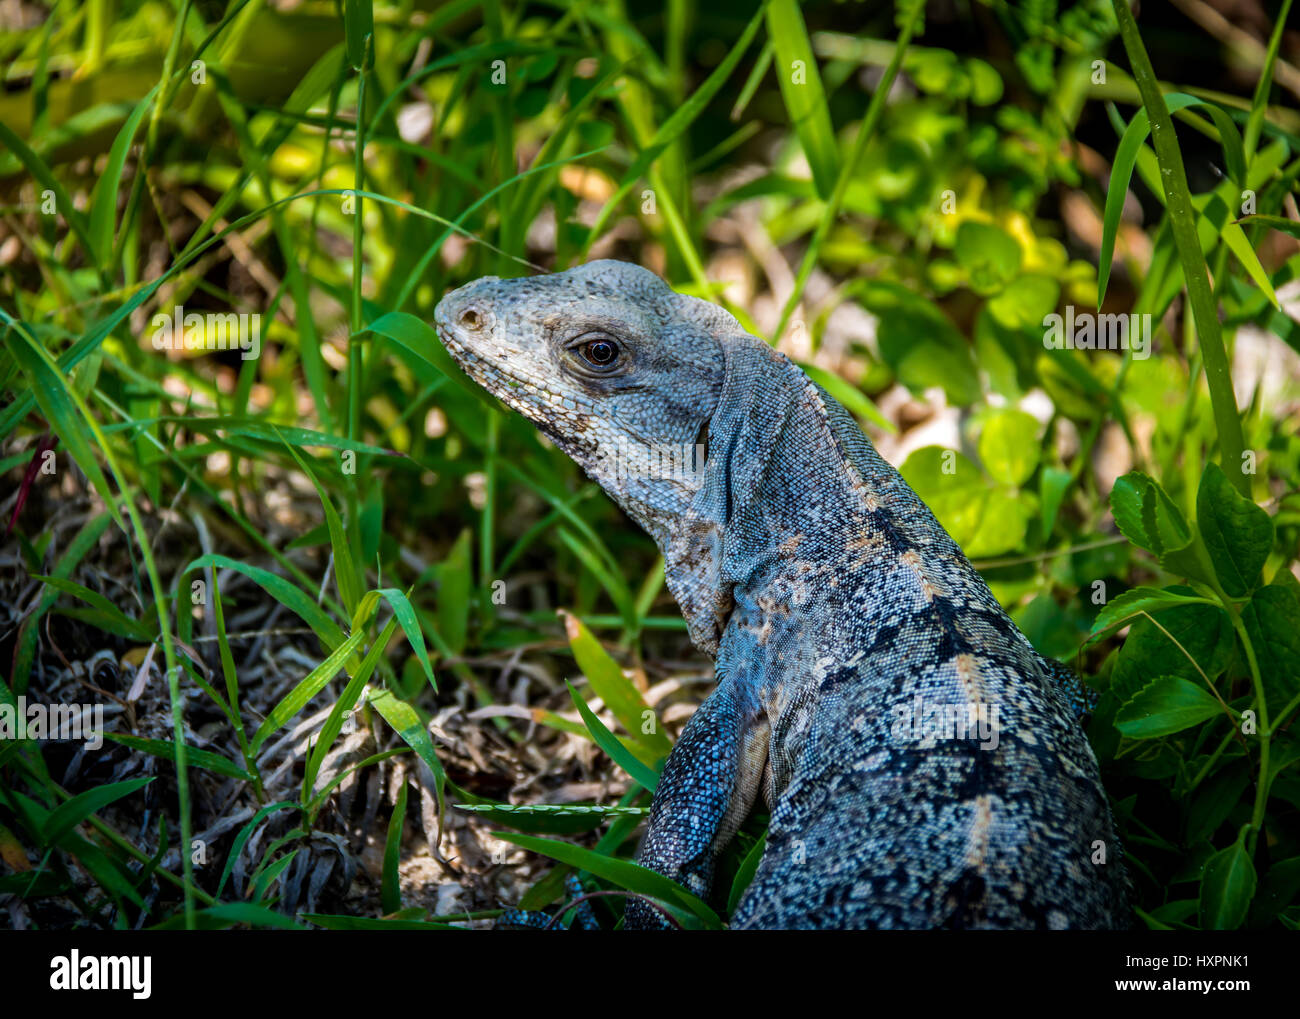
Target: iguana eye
{"points": [[598, 350]]}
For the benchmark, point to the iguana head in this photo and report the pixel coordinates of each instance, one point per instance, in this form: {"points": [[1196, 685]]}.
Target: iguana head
{"points": [[620, 371]]}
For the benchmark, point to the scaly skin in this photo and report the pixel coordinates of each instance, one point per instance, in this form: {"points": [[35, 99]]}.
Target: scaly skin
{"points": [[839, 612]]}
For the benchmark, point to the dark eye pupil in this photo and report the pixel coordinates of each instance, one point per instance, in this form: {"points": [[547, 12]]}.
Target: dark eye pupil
{"points": [[599, 352]]}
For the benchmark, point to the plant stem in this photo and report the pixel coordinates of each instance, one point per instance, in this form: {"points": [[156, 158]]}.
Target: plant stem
{"points": [[1178, 200]]}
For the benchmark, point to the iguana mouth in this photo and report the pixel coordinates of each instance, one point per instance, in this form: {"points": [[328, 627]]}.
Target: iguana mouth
{"points": [[491, 375], [541, 406]]}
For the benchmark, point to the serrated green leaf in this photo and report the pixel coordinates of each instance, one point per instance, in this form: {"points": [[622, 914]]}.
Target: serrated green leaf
{"points": [[1167, 704], [1237, 533], [1272, 621], [1135, 603]]}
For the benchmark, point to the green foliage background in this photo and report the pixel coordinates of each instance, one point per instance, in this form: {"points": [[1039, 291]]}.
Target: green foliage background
{"points": [[957, 174]]}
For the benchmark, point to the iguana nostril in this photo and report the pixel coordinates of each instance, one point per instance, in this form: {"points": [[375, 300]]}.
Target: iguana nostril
{"points": [[471, 319]]}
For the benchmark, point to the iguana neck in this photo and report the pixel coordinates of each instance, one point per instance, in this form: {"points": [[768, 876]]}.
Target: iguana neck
{"points": [[781, 512]]}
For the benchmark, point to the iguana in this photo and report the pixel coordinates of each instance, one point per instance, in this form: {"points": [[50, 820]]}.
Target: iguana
{"points": [[921, 765]]}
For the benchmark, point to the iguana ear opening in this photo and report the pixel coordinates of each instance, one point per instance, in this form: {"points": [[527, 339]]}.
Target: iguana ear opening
{"points": [[702, 442]]}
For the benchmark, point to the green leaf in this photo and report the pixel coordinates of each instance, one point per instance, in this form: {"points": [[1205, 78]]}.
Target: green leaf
{"points": [[1126, 158], [237, 847], [405, 613], [1167, 704], [745, 873], [406, 722], [420, 340], [126, 624], [61, 408], [286, 593], [454, 583], [1287, 226], [391, 892], [335, 922], [919, 343], [1272, 621], [225, 915], [314, 682], [347, 700], [1053, 483], [41, 172], [1148, 517], [617, 691], [194, 758], [951, 486], [1004, 521], [103, 200], [801, 88], [1183, 640], [673, 127], [990, 256], [66, 816], [1237, 533], [1137, 602], [538, 819], [1182, 218], [1025, 302], [646, 777], [358, 23], [849, 395], [1009, 446], [630, 876], [347, 575], [1227, 887]]}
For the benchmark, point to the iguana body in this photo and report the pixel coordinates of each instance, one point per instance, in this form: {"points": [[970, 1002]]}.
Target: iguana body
{"points": [[840, 615]]}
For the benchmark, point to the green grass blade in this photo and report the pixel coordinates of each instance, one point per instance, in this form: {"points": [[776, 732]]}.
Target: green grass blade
{"points": [[625, 874], [103, 200], [406, 722], [66, 816], [391, 890], [347, 574], [205, 759], [1179, 203], [672, 128], [60, 405], [644, 776], [286, 593], [801, 88], [617, 691], [296, 699]]}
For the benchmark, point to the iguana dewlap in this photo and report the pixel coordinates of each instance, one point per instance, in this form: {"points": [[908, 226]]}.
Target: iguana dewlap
{"points": [[921, 765]]}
